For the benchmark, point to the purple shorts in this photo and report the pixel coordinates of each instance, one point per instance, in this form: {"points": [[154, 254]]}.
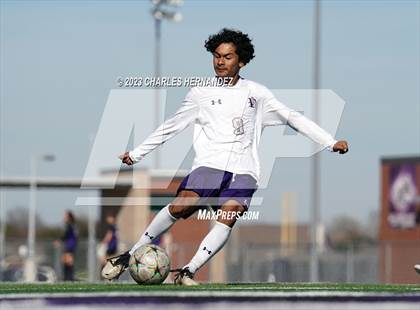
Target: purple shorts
{"points": [[218, 186]]}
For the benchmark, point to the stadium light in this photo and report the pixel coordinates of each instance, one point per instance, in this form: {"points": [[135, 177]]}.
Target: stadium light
{"points": [[171, 16], [159, 13], [30, 264], [168, 2]]}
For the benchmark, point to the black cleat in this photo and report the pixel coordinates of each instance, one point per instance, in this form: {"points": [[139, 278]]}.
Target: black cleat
{"points": [[184, 277], [115, 266]]}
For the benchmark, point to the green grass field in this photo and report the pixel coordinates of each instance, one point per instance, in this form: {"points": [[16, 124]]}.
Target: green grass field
{"points": [[14, 288]]}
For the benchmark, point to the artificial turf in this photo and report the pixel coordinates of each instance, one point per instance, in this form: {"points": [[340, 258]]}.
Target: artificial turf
{"points": [[77, 287]]}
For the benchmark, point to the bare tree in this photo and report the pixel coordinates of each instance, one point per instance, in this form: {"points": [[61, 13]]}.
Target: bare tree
{"points": [[346, 232]]}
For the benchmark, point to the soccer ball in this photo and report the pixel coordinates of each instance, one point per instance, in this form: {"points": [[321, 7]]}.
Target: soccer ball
{"points": [[149, 264]]}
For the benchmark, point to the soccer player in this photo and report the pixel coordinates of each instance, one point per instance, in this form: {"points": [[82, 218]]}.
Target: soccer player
{"points": [[69, 241], [228, 122]]}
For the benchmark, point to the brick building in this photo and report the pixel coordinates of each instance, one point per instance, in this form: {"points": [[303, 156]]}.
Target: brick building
{"points": [[399, 233]]}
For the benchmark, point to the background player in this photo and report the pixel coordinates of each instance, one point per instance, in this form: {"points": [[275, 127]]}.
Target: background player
{"points": [[69, 242]]}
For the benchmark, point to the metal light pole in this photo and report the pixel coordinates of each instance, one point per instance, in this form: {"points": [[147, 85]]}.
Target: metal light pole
{"points": [[316, 179], [92, 245], [158, 25], [2, 233], [159, 13], [30, 264]]}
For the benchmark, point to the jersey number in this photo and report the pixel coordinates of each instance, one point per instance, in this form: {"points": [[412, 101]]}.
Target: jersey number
{"points": [[238, 124]]}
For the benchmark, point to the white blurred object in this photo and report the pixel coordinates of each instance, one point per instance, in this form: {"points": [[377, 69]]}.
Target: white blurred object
{"points": [[23, 251], [30, 270], [320, 237], [417, 268], [271, 278], [30, 263], [29, 267], [101, 250]]}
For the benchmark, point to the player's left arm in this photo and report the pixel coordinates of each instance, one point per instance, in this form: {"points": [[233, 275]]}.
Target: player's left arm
{"points": [[277, 113], [313, 131]]}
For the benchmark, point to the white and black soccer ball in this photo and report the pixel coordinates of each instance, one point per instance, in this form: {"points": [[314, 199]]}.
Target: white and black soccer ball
{"points": [[149, 264]]}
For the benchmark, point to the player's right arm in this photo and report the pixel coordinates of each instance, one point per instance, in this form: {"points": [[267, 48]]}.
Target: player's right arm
{"points": [[185, 115]]}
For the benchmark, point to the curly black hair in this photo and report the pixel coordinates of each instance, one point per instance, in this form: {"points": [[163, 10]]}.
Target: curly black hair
{"points": [[244, 47]]}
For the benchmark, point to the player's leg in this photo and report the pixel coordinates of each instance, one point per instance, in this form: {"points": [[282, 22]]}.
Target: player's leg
{"points": [[234, 201], [218, 235], [200, 183], [212, 242], [193, 187], [182, 206], [68, 263]]}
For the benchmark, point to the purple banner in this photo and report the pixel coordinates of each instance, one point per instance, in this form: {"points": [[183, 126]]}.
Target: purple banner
{"points": [[402, 196]]}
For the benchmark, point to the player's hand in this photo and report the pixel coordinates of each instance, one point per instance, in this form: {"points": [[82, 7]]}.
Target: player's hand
{"points": [[126, 159], [341, 147]]}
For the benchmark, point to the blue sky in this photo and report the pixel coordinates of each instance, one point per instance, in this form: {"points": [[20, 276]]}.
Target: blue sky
{"points": [[59, 61]]}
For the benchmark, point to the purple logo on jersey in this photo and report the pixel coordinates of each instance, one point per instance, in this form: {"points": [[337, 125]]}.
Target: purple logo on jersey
{"points": [[252, 101]]}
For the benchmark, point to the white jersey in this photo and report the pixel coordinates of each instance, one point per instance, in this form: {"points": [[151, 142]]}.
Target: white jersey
{"points": [[228, 123]]}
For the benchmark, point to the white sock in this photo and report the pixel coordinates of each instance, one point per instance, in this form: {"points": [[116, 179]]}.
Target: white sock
{"points": [[160, 223], [210, 245]]}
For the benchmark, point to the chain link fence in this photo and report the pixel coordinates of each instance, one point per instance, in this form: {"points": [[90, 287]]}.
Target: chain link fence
{"points": [[243, 263]]}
